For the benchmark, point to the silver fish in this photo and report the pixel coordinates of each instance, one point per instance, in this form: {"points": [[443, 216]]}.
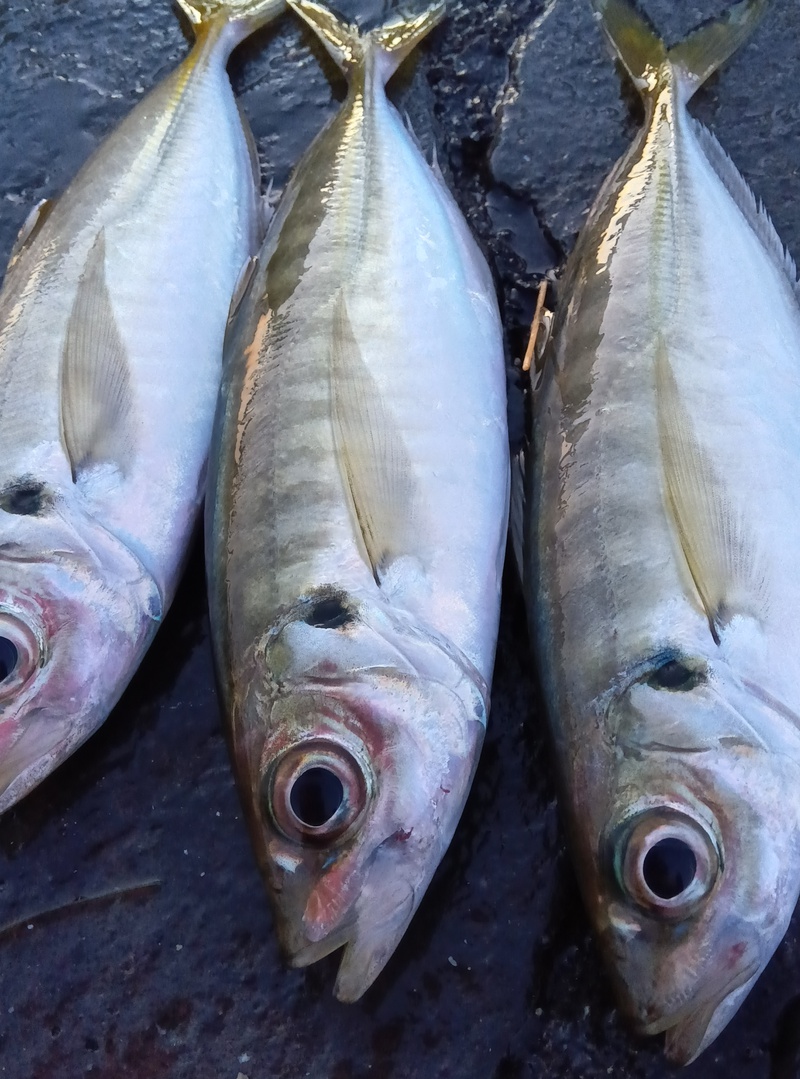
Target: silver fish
{"points": [[112, 318], [357, 526], [665, 545]]}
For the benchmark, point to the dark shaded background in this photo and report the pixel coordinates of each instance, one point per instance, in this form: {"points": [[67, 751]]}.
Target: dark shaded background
{"points": [[135, 939]]}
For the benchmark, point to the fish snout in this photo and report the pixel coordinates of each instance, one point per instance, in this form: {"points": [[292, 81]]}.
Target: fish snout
{"points": [[688, 993]]}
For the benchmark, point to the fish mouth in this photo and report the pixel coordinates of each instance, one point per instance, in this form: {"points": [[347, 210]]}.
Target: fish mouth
{"points": [[368, 931], [364, 956], [691, 1029]]}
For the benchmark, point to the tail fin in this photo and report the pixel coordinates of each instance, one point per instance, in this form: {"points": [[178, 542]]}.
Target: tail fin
{"points": [[349, 47], [694, 59], [250, 14]]}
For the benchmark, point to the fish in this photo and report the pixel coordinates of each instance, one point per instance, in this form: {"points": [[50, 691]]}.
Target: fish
{"points": [[662, 545], [356, 521], [112, 319]]}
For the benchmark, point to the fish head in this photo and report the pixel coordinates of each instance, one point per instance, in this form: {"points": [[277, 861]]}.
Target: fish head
{"points": [[696, 862], [358, 737], [76, 612]]}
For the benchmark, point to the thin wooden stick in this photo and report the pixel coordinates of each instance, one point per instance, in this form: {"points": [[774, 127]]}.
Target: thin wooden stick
{"points": [[537, 321]]}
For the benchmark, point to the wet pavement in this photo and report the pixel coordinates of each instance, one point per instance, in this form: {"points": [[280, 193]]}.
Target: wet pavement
{"points": [[134, 931]]}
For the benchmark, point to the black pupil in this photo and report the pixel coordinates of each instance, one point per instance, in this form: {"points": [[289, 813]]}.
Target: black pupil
{"points": [[669, 868], [8, 658], [317, 795], [329, 614], [673, 675]]}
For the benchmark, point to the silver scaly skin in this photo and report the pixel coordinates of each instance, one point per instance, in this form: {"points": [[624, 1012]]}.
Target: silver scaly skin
{"points": [[112, 318], [664, 551], [357, 527]]}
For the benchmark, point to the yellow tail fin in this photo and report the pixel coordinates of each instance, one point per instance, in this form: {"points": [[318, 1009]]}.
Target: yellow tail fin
{"points": [[350, 48], [695, 58], [250, 13]]}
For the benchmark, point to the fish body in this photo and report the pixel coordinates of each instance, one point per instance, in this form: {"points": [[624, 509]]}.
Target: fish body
{"points": [[663, 555], [357, 527], [112, 318]]}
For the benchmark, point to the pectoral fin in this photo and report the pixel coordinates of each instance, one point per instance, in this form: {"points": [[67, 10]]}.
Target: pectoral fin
{"points": [[720, 549], [377, 471], [96, 387]]}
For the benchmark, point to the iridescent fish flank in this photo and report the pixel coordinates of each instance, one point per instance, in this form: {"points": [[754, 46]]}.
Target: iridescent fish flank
{"points": [[357, 529], [662, 568], [112, 318]]}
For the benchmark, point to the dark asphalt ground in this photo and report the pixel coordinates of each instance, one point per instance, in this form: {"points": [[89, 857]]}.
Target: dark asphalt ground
{"points": [[135, 939]]}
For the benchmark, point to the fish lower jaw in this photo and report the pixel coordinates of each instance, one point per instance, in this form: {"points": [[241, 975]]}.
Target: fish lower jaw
{"points": [[347, 988], [310, 952], [44, 755], [690, 1029], [368, 944]]}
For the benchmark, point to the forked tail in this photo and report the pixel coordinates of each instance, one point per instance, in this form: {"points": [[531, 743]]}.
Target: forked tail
{"points": [[694, 59], [246, 15], [387, 45]]}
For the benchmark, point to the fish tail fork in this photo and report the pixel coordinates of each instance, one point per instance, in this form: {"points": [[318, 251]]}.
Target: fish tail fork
{"points": [[246, 15], [389, 44], [698, 56]]}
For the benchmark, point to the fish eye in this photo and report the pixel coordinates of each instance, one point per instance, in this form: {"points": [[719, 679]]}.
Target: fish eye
{"points": [[667, 862], [669, 867], [676, 675], [316, 792], [316, 796], [8, 658], [329, 613], [19, 654], [26, 498]]}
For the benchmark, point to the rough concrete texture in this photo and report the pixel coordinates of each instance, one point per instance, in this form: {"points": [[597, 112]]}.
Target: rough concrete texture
{"points": [[134, 932]]}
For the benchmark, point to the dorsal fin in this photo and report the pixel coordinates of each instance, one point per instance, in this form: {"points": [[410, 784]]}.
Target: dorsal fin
{"points": [[389, 44], [694, 59], [96, 385], [376, 469], [30, 229], [720, 549], [752, 208]]}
